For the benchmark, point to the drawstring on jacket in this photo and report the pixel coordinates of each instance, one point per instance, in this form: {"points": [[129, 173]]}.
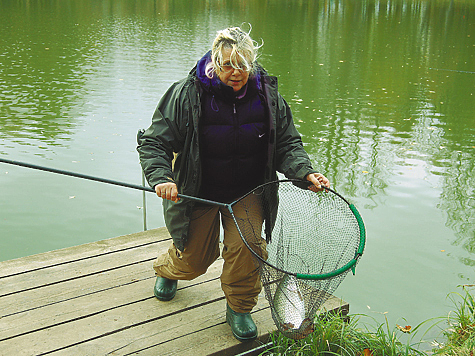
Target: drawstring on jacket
{"points": [[214, 105]]}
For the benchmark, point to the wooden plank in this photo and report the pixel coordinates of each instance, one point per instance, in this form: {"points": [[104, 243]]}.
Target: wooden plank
{"points": [[79, 269], [113, 316], [99, 300], [67, 304], [68, 290], [88, 304], [202, 331], [179, 334], [214, 336], [66, 255]]}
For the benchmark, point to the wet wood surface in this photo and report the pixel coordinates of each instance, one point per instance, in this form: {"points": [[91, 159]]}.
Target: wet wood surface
{"points": [[97, 299]]}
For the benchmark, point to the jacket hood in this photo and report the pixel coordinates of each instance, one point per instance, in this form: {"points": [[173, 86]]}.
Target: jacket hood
{"points": [[201, 71]]}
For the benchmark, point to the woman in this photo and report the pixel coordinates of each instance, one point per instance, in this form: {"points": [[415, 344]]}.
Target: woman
{"points": [[217, 134]]}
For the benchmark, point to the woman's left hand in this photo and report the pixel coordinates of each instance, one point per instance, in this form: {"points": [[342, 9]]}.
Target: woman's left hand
{"points": [[318, 180]]}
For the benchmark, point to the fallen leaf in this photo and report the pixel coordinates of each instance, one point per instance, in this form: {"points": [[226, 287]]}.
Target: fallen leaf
{"points": [[365, 172], [367, 352], [404, 329]]}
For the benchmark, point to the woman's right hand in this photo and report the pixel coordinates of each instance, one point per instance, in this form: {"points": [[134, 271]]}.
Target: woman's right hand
{"points": [[167, 191]]}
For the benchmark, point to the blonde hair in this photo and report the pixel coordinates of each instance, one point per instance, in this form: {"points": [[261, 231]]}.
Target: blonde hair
{"points": [[243, 51]]}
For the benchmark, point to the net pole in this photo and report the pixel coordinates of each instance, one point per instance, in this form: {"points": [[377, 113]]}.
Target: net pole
{"points": [[104, 180]]}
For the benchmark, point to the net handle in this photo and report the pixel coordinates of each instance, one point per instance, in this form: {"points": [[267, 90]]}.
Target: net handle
{"points": [[105, 180], [343, 269]]}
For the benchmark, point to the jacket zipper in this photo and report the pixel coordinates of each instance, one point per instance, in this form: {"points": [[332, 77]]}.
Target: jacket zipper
{"points": [[236, 126]]}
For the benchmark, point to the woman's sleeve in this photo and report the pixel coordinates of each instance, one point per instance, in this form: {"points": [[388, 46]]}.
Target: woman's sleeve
{"points": [[164, 137]]}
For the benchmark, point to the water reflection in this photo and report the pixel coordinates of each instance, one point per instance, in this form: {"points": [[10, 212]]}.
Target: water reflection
{"points": [[44, 61], [58, 57], [457, 199], [386, 82]]}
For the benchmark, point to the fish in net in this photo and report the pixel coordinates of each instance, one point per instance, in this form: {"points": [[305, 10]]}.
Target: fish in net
{"points": [[304, 244]]}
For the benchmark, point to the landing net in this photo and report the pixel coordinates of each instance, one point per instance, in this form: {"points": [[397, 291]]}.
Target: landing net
{"points": [[304, 244]]}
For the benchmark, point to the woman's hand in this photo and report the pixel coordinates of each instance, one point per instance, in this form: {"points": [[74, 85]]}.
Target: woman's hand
{"points": [[318, 180], [167, 191]]}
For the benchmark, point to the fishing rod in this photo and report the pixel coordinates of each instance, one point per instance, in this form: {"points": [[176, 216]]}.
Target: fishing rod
{"points": [[102, 180], [454, 70]]}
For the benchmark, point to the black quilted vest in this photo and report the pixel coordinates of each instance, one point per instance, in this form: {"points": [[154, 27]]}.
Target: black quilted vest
{"points": [[233, 141]]}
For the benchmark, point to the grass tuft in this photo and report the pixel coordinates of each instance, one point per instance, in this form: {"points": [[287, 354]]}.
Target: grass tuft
{"points": [[337, 335], [362, 335], [460, 334]]}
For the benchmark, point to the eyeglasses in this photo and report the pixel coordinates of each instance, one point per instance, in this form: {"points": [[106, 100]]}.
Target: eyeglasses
{"points": [[228, 67]]}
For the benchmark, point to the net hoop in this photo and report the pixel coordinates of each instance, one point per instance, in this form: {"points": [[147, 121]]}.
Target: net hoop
{"points": [[322, 276]]}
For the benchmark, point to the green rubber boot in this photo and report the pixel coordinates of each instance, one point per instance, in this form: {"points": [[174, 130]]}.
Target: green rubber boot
{"points": [[165, 289], [242, 325]]}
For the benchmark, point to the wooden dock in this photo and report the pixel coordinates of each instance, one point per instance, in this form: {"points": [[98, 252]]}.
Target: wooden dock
{"points": [[97, 299]]}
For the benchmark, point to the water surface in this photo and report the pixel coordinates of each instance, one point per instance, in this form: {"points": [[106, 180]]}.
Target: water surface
{"points": [[382, 92]]}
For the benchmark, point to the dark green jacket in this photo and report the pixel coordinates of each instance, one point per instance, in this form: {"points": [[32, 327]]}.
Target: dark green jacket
{"points": [[169, 149]]}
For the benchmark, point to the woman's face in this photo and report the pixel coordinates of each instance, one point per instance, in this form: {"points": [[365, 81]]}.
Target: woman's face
{"points": [[235, 78]]}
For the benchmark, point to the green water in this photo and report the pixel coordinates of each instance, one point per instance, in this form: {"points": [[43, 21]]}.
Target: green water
{"points": [[382, 92]]}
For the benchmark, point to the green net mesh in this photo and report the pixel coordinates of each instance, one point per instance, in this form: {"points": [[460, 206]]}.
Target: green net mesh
{"points": [[304, 244]]}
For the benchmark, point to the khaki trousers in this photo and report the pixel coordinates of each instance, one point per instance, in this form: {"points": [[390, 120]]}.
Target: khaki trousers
{"points": [[240, 277]]}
